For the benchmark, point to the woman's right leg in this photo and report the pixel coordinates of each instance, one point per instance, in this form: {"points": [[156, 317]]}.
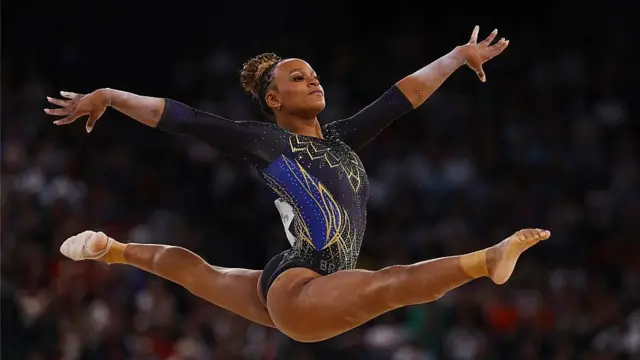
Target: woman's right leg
{"points": [[231, 289], [311, 308]]}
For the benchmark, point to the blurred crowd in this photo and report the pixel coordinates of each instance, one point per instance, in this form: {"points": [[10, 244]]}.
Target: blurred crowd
{"points": [[551, 142]]}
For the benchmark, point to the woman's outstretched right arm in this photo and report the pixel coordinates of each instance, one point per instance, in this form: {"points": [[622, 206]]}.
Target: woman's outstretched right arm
{"points": [[254, 141], [145, 109]]}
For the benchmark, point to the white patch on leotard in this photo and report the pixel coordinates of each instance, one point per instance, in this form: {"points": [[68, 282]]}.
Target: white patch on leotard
{"points": [[287, 215]]}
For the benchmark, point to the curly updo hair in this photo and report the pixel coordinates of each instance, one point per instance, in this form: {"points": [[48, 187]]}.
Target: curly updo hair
{"points": [[256, 76]]}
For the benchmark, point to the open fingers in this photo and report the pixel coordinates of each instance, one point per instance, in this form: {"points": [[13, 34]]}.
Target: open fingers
{"points": [[489, 39], [58, 112], [474, 35], [69, 119], [93, 117], [69, 95], [498, 47], [481, 75], [54, 101], [501, 44]]}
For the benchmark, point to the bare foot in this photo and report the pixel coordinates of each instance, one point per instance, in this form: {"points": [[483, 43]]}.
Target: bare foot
{"points": [[502, 258], [88, 245]]}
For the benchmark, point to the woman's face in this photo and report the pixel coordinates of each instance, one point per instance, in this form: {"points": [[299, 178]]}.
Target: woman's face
{"points": [[297, 89]]}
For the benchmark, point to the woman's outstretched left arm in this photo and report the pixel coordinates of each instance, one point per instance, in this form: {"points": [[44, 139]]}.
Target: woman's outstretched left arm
{"points": [[418, 86], [412, 91]]}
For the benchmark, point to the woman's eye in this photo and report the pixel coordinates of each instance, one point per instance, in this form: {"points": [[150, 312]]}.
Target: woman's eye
{"points": [[298, 78]]}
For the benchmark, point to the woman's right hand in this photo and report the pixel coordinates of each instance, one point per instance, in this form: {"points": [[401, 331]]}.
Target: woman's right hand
{"points": [[78, 105]]}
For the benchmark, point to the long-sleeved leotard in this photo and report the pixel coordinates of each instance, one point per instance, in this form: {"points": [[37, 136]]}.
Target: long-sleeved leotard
{"points": [[321, 183]]}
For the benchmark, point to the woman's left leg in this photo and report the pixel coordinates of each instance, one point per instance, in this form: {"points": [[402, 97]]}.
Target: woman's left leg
{"points": [[311, 308]]}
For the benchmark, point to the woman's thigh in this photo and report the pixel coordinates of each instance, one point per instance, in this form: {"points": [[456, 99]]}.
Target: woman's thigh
{"points": [[309, 307]]}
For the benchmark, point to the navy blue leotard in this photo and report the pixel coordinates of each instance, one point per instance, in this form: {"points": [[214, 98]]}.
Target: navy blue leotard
{"points": [[321, 183]]}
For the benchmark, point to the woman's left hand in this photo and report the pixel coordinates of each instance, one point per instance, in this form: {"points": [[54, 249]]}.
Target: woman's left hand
{"points": [[476, 54]]}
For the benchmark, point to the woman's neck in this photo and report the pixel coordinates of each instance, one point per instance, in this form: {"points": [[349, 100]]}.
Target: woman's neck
{"points": [[306, 127]]}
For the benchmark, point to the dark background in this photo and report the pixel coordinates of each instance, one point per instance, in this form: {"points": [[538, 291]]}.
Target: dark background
{"points": [[551, 140]]}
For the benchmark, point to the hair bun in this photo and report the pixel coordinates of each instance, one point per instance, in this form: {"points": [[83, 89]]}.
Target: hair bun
{"points": [[253, 69]]}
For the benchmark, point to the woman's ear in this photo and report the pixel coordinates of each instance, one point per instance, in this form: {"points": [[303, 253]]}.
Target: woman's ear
{"points": [[273, 100]]}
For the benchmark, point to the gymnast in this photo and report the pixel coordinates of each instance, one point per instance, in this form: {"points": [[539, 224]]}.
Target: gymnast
{"points": [[312, 291]]}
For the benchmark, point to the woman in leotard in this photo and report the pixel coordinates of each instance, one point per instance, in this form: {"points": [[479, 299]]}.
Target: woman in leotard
{"points": [[312, 291]]}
